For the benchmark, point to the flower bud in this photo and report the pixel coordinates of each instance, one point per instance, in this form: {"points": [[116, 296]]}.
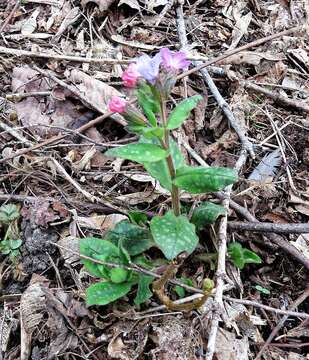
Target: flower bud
{"points": [[117, 104], [130, 76]]}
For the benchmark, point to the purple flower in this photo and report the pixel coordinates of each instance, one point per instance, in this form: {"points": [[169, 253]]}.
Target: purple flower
{"points": [[174, 60], [148, 67]]}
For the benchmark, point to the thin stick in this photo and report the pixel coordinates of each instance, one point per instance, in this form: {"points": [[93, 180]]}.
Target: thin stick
{"points": [[8, 19], [15, 134], [31, 54], [227, 298], [85, 193], [246, 143], [296, 104], [221, 273], [296, 303], [241, 48], [133, 267], [302, 228]]}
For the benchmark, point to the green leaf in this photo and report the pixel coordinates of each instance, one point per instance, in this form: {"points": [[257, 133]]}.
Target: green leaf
{"points": [[180, 291], [205, 214], [262, 290], [173, 234], [148, 101], [8, 213], [103, 293], [143, 291], [118, 275], [147, 132], [198, 180], [133, 238], [5, 247], [242, 256], [15, 244], [159, 170], [182, 111], [139, 152], [137, 217], [98, 249]]}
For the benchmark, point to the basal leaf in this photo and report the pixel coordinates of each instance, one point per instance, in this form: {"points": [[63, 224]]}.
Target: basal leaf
{"points": [[143, 291], [98, 249], [173, 234], [206, 213], [159, 170], [182, 111], [15, 243], [103, 293], [118, 275], [139, 152], [198, 180], [137, 217], [242, 256], [133, 238], [8, 213]]}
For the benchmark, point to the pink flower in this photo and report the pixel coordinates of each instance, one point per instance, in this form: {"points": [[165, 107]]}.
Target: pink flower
{"points": [[130, 76], [174, 60], [117, 104]]}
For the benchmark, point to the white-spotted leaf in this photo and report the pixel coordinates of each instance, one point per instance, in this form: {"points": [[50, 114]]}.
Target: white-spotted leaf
{"points": [[173, 234], [139, 152], [198, 180], [103, 293], [182, 111]]}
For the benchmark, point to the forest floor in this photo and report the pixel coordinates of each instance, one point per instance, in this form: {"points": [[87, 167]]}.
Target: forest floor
{"points": [[60, 63]]}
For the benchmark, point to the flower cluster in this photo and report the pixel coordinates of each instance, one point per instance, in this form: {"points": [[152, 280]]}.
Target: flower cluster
{"points": [[147, 68]]}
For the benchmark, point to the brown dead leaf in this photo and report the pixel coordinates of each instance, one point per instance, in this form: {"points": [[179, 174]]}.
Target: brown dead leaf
{"points": [[95, 91], [102, 4], [39, 213], [226, 141], [99, 222], [176, 338], [129, 340], [35, 112], [229, 347], [250, 57], [45, 312], [29, 26], [300, 204], [302, 244], [139, 197], [240, 29]]}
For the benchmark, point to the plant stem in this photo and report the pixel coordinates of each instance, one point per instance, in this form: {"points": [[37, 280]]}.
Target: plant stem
{"points": [[169, 160]]}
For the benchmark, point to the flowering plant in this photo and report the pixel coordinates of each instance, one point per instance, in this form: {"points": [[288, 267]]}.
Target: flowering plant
{"points": [[173, 233]]}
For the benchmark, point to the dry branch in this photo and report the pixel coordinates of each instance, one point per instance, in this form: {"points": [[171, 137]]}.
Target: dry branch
{"points": [[270, 227]]}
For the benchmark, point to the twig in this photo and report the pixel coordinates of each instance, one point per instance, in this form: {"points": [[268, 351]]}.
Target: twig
{"points": [[241, 48], [220, 273], [270, 227], [238, 301], [228, 113], [8, 19], [15, 134], [85, 193], [133, 267], [31, 54], [296, 303], [296, 104], [56, 138]]}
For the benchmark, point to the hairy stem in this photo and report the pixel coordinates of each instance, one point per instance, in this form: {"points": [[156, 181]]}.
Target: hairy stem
{"points": [[169, 160]]}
